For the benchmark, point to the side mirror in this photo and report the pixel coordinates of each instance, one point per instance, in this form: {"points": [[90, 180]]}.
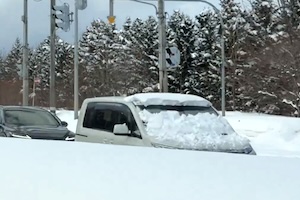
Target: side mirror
{"points": [[64, 124], [121, 129]]}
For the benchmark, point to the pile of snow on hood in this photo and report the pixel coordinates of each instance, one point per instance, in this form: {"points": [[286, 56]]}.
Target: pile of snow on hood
{"points": [[202, 131]]}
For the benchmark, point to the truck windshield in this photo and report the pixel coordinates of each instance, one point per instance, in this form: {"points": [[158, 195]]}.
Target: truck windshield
{"points": [[185, 110]]}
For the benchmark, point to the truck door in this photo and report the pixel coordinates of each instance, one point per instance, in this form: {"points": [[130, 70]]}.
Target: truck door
{"points": [[99, 122]]}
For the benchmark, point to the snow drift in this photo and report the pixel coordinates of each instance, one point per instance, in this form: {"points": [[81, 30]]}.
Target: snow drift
{"points": [[48, 170], [202, 131]]}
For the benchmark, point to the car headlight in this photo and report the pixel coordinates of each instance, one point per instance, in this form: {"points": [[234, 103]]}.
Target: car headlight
{"points": [[70, 138]]}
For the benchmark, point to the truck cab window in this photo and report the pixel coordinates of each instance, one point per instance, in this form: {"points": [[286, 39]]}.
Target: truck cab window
{"points": [[103, 116]]}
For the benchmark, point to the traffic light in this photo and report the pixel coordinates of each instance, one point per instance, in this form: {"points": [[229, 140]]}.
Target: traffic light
{"points": [[111, 19], [81, 4], [63, 16]]}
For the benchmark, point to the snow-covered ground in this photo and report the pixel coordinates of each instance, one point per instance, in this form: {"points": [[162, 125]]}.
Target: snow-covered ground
{"points": [[270, 135], [47, 170]]}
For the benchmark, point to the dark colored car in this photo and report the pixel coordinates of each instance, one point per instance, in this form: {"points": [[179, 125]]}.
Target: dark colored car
{"points": [[32, 123]]}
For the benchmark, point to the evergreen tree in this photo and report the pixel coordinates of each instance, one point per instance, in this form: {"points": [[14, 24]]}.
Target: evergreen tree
{"points": [[141, 37], [236, 33], [13, 62], [39, 64], [98, 54], [182, 34], [1, 66], [291, 14], [209, 56], [263, 20], [64, 71]]}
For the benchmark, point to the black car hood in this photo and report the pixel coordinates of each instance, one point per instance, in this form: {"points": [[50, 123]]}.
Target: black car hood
{"points": [[42, 132]]}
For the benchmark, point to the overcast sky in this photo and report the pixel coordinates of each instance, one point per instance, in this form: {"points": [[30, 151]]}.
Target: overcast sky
{"points": [[39, 20]]}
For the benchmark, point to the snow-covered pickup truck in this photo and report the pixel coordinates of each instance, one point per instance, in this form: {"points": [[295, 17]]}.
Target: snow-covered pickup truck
{"points": [[165, 120]]}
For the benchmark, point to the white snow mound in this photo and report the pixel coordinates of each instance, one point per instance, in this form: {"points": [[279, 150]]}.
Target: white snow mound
{"points": [[202, 131]]}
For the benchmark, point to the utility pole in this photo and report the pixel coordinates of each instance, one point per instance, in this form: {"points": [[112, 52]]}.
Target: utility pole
{"points": [[79, 4], [111, 7], [52, 58], [163, 76], [25, 55], [76, 95], [223, 76]]}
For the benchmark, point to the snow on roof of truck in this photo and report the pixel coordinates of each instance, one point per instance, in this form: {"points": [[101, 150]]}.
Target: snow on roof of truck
{"points": [[174, 99]]}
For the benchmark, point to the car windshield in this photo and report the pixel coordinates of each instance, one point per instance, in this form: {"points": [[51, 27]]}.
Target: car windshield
{"points": [[182, 110], [29, 117]]}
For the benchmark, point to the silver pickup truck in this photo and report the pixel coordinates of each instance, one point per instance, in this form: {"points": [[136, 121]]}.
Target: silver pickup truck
{"points": [[164, 120]]}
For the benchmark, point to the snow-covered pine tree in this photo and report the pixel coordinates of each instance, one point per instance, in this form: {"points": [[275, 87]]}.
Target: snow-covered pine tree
{"points": [[126, 72], [1, 66], [275, 64], [268, 73], [13, 62], [141, 37], [208, 56], [236, 30], [291, 14], [97, 59], [39, 64], [263, 22], [64, 72], [182, 33], [277, 79]]}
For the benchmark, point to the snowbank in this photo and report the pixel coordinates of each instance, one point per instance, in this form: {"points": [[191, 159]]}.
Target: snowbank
{"points": [[48, 170], [269, 134], [167, 99], [202, 131]]}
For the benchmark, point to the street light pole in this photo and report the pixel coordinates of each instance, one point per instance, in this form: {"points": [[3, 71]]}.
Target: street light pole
{"points": [[79, 5], [52, 58], [76, 96], [25, 55], [163, 77], [223, 77], [111, 7]]}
